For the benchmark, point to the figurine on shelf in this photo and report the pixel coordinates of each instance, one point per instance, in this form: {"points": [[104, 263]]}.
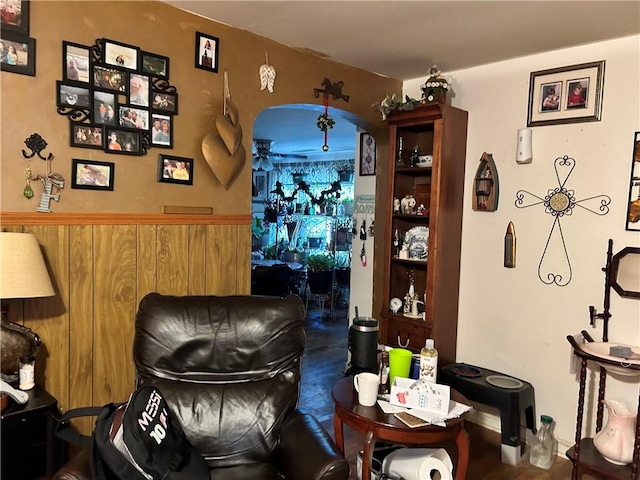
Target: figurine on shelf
{"points": [[415, 153], [396, 242], [408, 204], [422, 209], [396, 205], [404, 253]]}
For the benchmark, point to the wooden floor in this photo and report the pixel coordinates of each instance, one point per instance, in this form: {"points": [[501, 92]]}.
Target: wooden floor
{"points": [[324, 364]]}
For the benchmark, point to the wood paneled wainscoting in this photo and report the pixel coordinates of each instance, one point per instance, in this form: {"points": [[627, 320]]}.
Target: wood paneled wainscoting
{"points": [[101, 265]]}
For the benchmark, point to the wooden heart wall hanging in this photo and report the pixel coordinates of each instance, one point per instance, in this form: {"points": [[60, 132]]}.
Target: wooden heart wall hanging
{"points": [[223, 148]]}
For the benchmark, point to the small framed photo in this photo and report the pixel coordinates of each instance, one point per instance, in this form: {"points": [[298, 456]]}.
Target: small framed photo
{"points": [[132, 117], [566, 95], [164, 102], [155, 65], [18, 53], [76, 65], [86, 135], [92, 175], [125, 142], [120, 55], [633, 208], [161, 130], [207, 48], [109, 78], [139, 89], [14, 16], [73, 96], [104, 108], [175, 169], [367, 155]]}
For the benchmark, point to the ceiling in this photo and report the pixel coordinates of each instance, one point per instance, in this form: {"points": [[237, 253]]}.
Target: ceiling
{"points": [[402, 39]]}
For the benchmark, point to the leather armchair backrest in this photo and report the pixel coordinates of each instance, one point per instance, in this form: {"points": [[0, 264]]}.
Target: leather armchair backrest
{"points": [[229, 368]]}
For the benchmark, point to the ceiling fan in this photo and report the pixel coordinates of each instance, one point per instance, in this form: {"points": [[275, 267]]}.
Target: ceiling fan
{"points": [[263, 155]]}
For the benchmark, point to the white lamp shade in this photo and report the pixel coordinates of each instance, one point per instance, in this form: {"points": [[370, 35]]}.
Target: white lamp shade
{"points": [[23, 273]]}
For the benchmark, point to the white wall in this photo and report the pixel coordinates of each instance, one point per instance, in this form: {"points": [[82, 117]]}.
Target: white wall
{"points": [[509, 320]]}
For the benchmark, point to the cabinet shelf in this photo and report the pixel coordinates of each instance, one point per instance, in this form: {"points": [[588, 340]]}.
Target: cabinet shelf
{"points": [[441, 131], [590, 458], [410, 263]]}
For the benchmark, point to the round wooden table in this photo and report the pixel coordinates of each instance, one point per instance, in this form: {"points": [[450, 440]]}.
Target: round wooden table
{"points": [[378, 425]]}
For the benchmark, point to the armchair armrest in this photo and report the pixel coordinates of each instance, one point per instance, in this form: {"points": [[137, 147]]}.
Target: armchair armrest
{"points": [[78, 468], [307, 452]]}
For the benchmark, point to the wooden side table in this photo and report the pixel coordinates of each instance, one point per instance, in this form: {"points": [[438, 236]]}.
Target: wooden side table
{"points": [[380, 426], [29, 446]]}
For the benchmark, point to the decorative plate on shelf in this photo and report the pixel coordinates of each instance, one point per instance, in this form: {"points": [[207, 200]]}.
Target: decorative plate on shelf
{"points": [[417, 241]]}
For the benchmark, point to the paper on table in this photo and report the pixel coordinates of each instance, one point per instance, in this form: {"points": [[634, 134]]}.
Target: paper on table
{"points": [[455, 410]]}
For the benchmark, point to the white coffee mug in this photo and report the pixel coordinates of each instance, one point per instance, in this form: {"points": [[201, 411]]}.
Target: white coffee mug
{"points": [[366, 384]]}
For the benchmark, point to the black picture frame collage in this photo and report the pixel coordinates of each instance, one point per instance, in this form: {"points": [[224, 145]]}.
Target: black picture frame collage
{"points": [[117, 97]]}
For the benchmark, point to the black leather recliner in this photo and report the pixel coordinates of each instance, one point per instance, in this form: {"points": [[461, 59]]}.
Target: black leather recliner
{"points": [[229, 368]]}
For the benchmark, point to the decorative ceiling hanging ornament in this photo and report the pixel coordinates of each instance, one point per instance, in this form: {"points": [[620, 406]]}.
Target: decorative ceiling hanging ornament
{"points": [[267, 75], [325, 122], [224, 152]]}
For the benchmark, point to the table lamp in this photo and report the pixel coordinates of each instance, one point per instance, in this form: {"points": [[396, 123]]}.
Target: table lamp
{"points": [[23, 274]]}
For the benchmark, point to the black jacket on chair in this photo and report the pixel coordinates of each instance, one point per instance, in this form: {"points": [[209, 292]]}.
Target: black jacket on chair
{"points": [[229, 368]]}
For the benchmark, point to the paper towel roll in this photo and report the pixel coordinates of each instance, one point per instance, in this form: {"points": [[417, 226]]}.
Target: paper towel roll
{"points": [[524, 152], [418, 463]]}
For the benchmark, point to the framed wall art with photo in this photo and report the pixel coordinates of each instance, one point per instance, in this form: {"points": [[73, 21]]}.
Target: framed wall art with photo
{"points": [[367, 155], [175, 169], [633, 207], [14, 16], [207, 47], [570, 94], [92, 175], [18, 54]]}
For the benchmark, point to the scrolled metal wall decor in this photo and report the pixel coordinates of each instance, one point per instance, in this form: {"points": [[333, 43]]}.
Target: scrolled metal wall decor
{"points": [[559, 202]]}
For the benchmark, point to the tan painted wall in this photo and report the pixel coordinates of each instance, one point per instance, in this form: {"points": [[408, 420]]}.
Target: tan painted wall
{"points": [[28, 103], [105, 250]]}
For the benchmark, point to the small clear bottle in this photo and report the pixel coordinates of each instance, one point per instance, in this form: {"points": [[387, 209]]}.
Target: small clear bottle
{"points": [[27, 372], [384, 373], [545, 446], [429, 362]]}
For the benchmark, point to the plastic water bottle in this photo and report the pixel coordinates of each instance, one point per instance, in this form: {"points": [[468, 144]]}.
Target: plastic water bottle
{"points": [[429, 362], [545, 446]]}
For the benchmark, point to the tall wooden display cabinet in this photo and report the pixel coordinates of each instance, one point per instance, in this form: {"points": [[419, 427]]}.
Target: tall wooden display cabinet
{"points": [[437, 185]]}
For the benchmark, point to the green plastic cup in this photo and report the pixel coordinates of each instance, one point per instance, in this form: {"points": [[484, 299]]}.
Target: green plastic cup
{"points": [[399, 363]]}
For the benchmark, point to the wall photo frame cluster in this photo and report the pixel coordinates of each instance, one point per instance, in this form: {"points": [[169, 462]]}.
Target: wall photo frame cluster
{"points": [[117, 97], [17, 49]]}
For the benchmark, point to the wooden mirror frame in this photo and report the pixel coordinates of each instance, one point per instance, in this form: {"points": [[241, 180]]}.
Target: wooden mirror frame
{"points": [[615, 270]]}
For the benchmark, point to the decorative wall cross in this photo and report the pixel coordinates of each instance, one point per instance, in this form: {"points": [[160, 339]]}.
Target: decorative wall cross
{"points": [[559, 202]]}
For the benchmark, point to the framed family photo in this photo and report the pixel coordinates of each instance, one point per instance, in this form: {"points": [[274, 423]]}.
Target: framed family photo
{"points": [[207, 48], [92, 175], [86, 135], [367, 155], [14, 15], [73, 96], [566, 95], [155, 65], [17, 53], [108, 78], [76, 64], [120, 55], [633, 207], [161, 130], [175, 169], [124, 142]]}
